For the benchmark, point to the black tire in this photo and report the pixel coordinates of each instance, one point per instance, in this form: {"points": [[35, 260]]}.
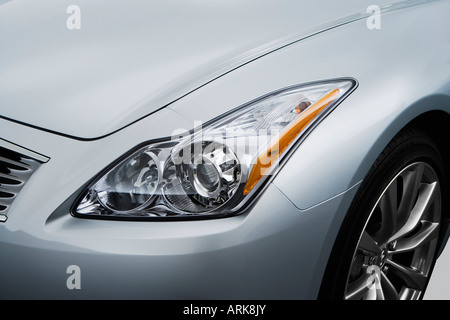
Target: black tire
{"points": [[408, 148]]}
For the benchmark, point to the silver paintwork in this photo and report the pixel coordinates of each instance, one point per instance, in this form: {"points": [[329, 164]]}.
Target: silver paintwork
{"points": [[120, 66], [126, 63]]}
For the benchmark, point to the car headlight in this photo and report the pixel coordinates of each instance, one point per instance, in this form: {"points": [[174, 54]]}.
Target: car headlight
{"points": [[215, 170]]}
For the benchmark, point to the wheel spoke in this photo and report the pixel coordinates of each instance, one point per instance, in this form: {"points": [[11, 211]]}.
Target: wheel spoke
{"points": [[414, 279], [427, 232], [411, 180], [390, 293], [379, 287], [380, 294], [426, 196], [372, 294], [388, 208], [368, 244], [408, 294], [358, 288]]}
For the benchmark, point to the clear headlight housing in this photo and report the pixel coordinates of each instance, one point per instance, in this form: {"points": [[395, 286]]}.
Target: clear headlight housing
{"points": [[215, 170]]}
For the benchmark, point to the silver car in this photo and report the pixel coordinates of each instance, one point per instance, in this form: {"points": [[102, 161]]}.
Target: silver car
{"points": [[224, 150]]}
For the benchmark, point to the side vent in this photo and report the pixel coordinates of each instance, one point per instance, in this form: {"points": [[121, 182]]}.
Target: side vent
{"points": [[15, 170]]}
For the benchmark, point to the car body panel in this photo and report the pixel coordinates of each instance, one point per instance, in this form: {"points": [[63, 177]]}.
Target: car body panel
{"points": [[129, 60], [229, 258], [276, 249]]}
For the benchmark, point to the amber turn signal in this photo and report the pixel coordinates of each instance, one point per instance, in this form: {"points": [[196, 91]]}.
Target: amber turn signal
{"points": [[268, 157]]}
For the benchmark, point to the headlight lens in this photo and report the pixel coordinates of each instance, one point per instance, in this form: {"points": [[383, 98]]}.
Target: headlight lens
{"points": [[215, 170], [131, 184]]}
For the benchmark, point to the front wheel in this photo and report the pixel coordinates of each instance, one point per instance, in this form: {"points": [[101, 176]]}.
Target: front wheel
{"points": [[388, 243]]}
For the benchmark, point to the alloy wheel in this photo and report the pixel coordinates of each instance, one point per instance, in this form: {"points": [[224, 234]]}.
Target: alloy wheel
{"points": [[395, 251]]}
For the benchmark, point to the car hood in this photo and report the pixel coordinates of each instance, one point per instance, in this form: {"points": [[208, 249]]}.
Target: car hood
{"points": [[131, 58]]}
